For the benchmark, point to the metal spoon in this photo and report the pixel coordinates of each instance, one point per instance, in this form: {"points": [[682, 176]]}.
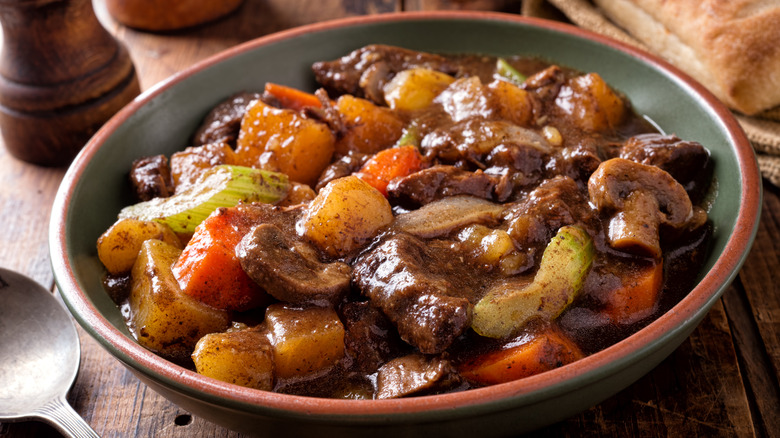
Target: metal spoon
{"points": [[39, 356]]}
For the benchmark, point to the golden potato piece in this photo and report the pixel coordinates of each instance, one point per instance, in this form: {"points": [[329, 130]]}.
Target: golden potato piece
{"points": [[306, 342], [119, 246], [163, 318], [591, 104], [369, 128], [284, 141], [415, 89], [512, 102], [346, 214], [243, 357]]}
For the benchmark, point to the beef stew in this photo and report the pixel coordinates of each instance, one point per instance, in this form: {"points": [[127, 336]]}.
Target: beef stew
{"points": [[429, 223]]}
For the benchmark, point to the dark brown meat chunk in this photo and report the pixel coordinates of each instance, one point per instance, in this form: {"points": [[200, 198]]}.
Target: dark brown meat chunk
{"points": [[472, 140], [421, 287], [370, 338], [151, 178], [327, 113], [224, 121], [260, 213], [345, 166], [687, 161], [364, 72], [554, 203], [577, 162], [546, 83], [415, 374], [524, 163], [289, 269], [118, 287], [441, 181]]}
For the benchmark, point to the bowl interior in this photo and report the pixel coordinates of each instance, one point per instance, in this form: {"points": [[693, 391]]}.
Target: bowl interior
{"points": [[163, 119]]}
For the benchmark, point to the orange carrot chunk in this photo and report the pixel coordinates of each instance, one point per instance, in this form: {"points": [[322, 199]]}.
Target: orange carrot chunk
{"points": [[208, 268], [292, 98], [638, 296], [541, 352], [388, 164]]}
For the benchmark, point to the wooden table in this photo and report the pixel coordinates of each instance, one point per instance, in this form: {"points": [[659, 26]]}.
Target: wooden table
{"points": [[722, 381]]}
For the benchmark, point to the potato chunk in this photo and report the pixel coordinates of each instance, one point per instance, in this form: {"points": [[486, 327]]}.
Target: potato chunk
{"points": [[415, 89], [243, 357], [346, 214], [284, 141], [512, 102], [119, 246], [163, 318], [306, 342], [369, 128], [591, 104]]}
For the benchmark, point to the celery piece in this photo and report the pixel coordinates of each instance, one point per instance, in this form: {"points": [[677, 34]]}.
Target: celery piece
{"points": [[562, 271], [221, 186], [506, 71], [410, 137]]}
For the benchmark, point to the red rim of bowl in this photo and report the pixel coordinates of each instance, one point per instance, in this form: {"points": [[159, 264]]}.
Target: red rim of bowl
{"points": [[589, 369]]}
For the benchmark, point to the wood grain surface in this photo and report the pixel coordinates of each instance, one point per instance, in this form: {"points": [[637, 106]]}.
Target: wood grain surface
{"points": [[722, 381]]}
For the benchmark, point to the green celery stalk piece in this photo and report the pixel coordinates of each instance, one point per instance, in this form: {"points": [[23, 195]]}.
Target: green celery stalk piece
{"points": [[506, 71], [565, 264], [221, 186], [410, 137]]}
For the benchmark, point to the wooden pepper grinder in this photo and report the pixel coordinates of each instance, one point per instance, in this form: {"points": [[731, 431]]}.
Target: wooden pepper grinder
{"points": [[62, 75]]}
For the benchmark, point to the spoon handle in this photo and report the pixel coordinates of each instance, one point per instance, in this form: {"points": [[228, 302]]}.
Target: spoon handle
{"points": [[61, 415]]}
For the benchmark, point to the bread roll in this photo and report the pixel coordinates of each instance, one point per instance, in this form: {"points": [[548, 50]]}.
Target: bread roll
{"points": [[164, 15], [730, 46]]}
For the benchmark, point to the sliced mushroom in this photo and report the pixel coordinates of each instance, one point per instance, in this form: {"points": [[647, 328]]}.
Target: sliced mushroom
{"points": [[641, 198], [373, 80], [289, 269], [415, 374], [687, 161]]}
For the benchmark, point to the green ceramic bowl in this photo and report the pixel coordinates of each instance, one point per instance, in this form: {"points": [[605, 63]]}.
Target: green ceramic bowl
{"points": [[162, 119]]}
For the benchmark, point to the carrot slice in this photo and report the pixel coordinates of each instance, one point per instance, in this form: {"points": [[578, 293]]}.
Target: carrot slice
{"points": [[292, 98], [638, 296], [208, 268], [388, 164], [542, 352]]}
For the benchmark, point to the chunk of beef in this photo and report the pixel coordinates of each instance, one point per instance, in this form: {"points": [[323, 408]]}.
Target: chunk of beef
{"points": [[687, 161], [289, 269], [524, 163], [260, 213], [365, 71], [554, 203], [151, 178], [466, 98], [577, 162], [546, 83], [223, 122], [422, 287], [415, 374], [370, 337], [437, 182], [326, 113], [345, 166], [472, 139]]}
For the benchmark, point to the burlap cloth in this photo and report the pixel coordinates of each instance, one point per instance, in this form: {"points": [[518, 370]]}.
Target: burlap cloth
{"points": [[763, 130]]}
